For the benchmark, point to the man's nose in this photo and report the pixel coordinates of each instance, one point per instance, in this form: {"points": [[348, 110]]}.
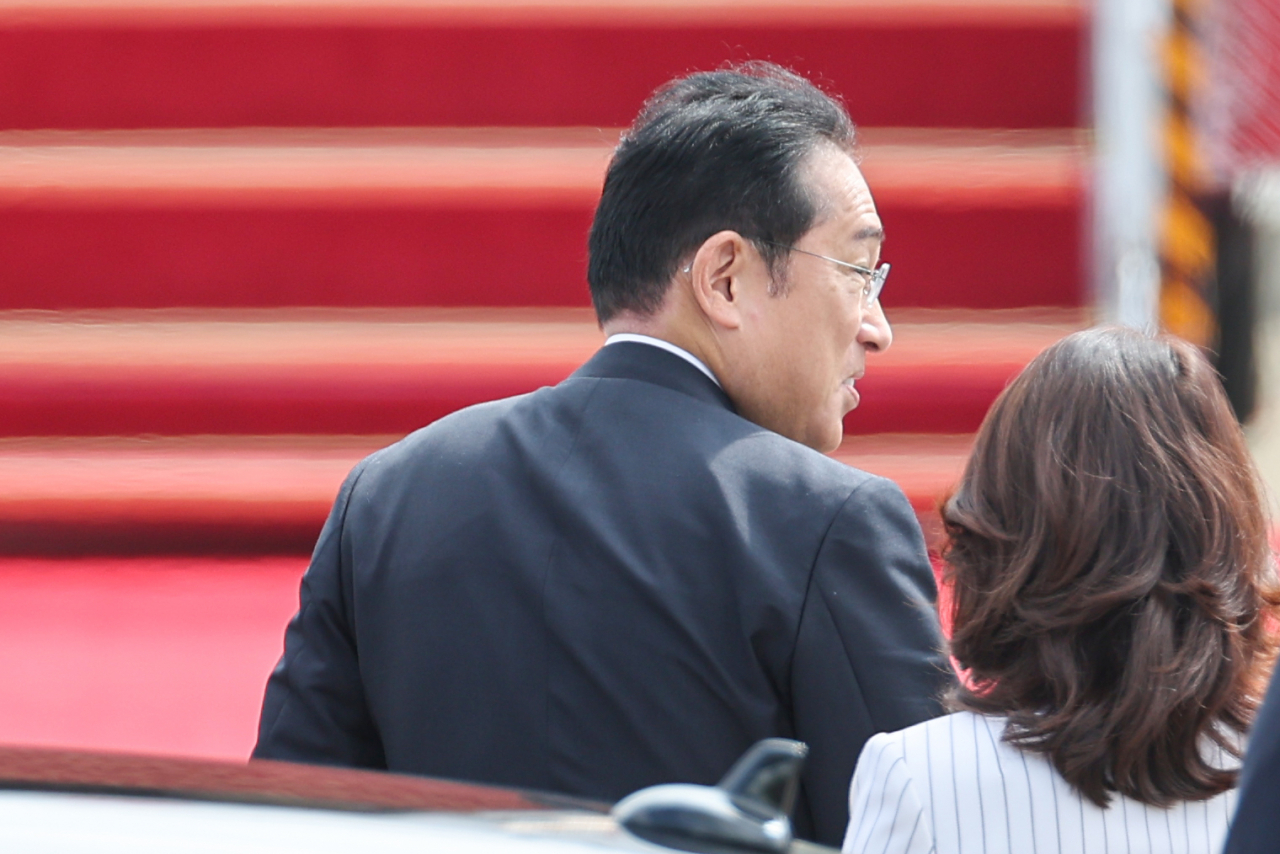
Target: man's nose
{"points": [[875, 334]]}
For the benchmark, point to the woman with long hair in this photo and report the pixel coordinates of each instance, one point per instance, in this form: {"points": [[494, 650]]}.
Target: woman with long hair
{"points": [[1111, 592]]}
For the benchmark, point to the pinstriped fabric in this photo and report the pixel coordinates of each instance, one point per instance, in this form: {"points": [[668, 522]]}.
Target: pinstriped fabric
{"points": [[884, 795], [951, 786]]}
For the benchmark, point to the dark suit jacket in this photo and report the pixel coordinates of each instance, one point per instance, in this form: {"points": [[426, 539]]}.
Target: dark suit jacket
{"points": [[1256, 827], [604, 585]]}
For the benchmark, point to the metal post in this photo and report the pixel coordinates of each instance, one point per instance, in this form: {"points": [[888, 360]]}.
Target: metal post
{"points": [[1130, 184]]}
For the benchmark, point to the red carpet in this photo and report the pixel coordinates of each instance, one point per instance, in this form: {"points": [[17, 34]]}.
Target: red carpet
{"points": [[159, 655]]}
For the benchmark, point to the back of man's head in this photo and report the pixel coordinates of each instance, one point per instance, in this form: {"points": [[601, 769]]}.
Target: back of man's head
{"points": [[712, 151]]}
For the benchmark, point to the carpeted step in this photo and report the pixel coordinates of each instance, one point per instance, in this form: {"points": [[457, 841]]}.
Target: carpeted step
{"points": [[228, 63], [211, 494], [271, 494], [390, 372], [407, 217]]}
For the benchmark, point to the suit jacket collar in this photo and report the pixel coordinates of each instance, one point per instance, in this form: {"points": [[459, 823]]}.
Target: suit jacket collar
{"points": [[632, 360]]}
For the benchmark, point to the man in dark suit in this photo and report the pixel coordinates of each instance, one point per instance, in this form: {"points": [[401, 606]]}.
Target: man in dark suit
{"points": [[1256, 826], [629, 578]]}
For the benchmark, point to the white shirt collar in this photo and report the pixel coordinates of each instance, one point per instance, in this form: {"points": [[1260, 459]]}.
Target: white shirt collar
{"points": [[662, 345]]}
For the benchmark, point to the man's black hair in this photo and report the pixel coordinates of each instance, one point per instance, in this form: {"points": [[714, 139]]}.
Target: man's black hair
{"points": [[712, 151]]}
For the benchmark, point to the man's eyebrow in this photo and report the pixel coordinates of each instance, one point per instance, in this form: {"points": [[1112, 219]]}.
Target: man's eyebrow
{"points": [[870, 233]]}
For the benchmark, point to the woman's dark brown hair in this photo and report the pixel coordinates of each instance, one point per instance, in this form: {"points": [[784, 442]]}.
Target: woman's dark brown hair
{"points": [[1111, 576]]}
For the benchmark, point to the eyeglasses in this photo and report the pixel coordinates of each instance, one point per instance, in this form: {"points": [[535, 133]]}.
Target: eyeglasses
{"points": [[875, 278]]}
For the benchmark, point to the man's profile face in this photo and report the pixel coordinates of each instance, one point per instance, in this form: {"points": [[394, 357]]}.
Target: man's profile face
{"points": [[809, 342]]}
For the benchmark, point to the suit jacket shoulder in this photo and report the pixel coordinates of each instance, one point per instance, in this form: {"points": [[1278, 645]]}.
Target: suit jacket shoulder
{"points": [[604, 585]]}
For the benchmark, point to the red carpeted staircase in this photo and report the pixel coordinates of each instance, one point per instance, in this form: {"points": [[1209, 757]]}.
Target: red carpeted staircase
{"points": [[244, 243]]}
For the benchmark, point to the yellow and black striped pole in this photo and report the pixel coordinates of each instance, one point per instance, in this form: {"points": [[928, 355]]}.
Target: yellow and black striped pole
{"points": [[1188, 246]]}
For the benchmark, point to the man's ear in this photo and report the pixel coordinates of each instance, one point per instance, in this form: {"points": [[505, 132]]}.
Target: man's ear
{"points": [[716, 277]]}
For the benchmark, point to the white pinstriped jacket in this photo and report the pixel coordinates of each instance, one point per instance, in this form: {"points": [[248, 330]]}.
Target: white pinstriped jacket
{"points": [[951, 786]]}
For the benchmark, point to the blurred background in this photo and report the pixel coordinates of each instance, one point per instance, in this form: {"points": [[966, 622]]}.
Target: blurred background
{"points": [[243, 243]]}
